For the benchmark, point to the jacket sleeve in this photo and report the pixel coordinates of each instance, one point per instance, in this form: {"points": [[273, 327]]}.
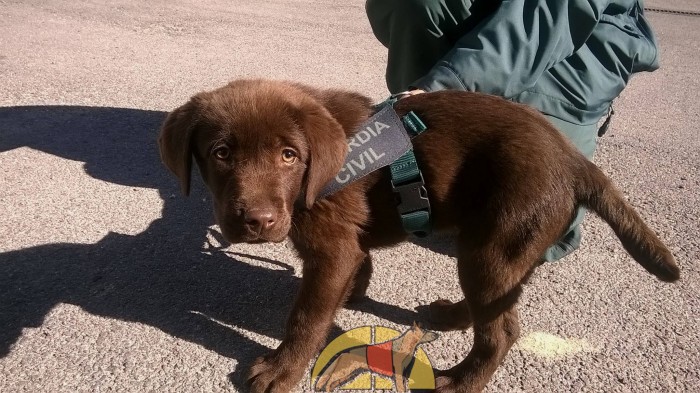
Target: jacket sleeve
{"points": [[508, 51]]}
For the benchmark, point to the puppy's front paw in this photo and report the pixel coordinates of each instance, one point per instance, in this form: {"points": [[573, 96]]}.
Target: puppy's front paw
{"points": [[270, 374]]}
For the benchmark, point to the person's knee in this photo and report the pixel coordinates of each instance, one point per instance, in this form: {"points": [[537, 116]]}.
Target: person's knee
{"points": [[401, 6], [401, 14]]}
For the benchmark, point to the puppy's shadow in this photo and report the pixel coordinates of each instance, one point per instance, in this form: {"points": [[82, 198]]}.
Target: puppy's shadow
{"points": [[167, 276]]}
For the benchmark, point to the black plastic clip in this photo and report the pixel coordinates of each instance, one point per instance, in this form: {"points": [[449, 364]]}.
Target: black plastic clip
{"points": [[413, 196]]}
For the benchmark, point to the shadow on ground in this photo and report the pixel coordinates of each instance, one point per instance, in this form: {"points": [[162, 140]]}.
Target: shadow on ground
{"points": [[159, 277]]}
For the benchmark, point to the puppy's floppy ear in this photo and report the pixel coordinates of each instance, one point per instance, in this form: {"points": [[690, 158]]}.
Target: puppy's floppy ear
{"points": [[175, 142], [327, 147]]}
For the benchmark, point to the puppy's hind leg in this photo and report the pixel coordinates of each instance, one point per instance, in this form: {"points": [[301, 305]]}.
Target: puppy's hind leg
{"points": [[446, 315], [492, 340], [491, 283]]}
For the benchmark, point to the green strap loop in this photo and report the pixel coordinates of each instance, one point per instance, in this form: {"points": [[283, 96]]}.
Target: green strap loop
{"points": [[414, 123]]}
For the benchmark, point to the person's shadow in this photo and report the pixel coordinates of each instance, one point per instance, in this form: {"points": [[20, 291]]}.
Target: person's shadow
{"points": [[161, 276]]}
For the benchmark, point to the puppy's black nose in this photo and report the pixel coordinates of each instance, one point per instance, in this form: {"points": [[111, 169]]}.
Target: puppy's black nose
{"points": [[258, 220]]}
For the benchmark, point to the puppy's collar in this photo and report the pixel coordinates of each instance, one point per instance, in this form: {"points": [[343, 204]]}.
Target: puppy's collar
{"points": [[385, 140]]}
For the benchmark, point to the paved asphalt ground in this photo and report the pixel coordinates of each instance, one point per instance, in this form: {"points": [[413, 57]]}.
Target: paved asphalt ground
{"points": [[110, 280]]}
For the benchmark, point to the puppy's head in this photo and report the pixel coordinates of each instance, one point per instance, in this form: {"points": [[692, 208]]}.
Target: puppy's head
{"points": [[261, 147]]}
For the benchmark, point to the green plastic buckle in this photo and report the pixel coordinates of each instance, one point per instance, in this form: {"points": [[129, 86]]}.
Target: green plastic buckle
{"points": [[407, 182], [414, 206]]}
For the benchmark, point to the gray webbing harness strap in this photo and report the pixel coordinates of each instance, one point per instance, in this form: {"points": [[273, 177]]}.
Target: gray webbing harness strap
{"points": [[385, 139], [377, 143]]}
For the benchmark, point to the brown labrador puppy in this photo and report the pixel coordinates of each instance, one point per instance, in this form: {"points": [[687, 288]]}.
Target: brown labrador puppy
{"points": [[497, 174]]}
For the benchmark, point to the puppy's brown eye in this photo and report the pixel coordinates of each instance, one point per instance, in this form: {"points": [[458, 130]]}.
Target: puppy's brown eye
{"points": [[222, 152], [289, 156]]}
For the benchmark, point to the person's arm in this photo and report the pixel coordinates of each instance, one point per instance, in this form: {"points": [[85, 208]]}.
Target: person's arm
{"points": [[507, 52]]}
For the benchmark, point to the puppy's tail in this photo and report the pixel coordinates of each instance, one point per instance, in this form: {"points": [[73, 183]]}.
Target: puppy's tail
{"points": [[596, 192]]}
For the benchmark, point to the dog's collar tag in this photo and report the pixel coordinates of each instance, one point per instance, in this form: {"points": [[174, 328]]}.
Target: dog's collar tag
{"points": [[380, 141]]}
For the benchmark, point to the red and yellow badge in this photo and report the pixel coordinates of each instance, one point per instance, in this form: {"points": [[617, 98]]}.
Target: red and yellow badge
{"points": [[375, 358]]}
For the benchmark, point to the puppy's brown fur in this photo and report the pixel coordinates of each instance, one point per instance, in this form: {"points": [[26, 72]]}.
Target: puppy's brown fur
{"points": [[497, 173]]}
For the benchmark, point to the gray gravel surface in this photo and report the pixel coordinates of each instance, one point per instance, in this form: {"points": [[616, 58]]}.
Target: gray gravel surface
{"points": [[110, 280]]}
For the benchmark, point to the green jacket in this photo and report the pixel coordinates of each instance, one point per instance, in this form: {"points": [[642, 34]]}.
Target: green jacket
{"points": [[568, 58]]}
